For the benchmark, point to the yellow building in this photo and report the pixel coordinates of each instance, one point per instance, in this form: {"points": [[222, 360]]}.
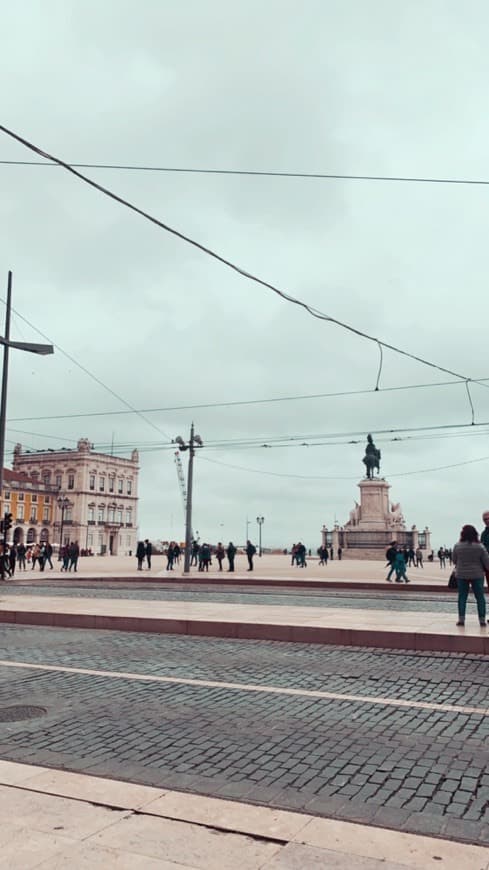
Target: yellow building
{"points": [[32, 505]]}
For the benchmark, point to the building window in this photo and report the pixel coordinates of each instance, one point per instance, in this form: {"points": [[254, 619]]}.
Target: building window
{"points": [[119, 516], [129, 516], [90, 541], [128, 541], [120, 485], [101, 514], [20, 512], [33, 515], [68, 515], [46, 477], [91, 515], [129, 487], [20, 496], [46, 499], [58, 480], [111, 484], [101, 484], [71, 481], [92, 481], [45, 515], [7, 496], [111, 515], [33, 498]]}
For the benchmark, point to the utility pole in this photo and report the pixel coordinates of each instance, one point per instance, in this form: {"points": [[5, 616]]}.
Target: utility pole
{"points": [[43, 350], [193, 442], [260, 521]]}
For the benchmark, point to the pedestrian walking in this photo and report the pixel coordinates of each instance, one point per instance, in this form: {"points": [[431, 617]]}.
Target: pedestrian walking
{"points": [[340, 553], [419, 558], [220, 553], [205, 557], [400, 567], [148, 551], [21, 551], [390, 556], [170, 556], [331, 553], [48, 552], [73, 553], [195, 553], [471, 561], [140, 554], [12, 558], [250, 552], [441, 556], [231, 554], [301, 555], [36, 550]]}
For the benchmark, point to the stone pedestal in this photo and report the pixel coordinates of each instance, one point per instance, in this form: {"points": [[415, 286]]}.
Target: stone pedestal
{"points": [[374, 505]]}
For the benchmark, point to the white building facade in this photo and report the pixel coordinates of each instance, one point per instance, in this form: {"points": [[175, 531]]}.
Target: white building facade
{"points": [[97, 495]]}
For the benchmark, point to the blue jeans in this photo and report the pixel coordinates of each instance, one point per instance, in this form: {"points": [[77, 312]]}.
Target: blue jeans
{"points": [[463, 591]]}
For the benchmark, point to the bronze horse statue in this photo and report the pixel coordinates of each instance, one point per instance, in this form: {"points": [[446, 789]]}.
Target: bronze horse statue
{"points": [[371, 459]]}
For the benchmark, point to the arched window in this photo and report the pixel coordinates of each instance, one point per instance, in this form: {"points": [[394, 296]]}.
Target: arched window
{"points": [[31, 536], [44, 536]]}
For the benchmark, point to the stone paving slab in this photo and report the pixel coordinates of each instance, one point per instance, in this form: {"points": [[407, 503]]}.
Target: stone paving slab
{"points": [[273, 569], [176, 830], [372, 736], [429, 631]]}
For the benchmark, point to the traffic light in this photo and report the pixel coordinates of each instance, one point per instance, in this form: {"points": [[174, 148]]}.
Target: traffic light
{"points": [[7, 523]]}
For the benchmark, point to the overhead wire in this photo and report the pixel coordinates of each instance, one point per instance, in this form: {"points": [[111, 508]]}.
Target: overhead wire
{"points": [[242, 402], [266, 173], [89, 373], [320, 477], [314, 312]]}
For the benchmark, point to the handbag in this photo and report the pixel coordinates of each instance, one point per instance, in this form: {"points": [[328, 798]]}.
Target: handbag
{"points": [[452, 581]]}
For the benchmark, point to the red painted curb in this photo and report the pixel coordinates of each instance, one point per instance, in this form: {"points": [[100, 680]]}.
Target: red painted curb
{"points": [[478, 645]]}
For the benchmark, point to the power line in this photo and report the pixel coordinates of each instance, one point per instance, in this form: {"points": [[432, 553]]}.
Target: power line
{"points": [[314, 312], [90, 375], [242, 402], [264, 173], [327, 477]]}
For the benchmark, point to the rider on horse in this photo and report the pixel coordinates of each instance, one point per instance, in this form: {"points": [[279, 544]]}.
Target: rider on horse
{"points": [[372, 457]]}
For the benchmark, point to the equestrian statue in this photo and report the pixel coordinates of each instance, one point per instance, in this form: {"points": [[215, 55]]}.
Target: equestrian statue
{"points": [[371, 459]]}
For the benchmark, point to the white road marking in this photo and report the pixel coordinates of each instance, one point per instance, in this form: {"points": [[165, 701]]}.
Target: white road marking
{"points": [[250, 687]]}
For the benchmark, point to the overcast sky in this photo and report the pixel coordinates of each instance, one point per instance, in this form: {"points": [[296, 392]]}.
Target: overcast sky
{"points": [[332, 86]]}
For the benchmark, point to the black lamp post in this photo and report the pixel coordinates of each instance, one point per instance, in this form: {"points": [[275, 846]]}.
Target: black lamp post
{"points": [[64, 504], [30, 347], [194, 441], [260, 521]]}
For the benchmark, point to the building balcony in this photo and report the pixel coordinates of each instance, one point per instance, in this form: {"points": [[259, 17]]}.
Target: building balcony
{"points": [[91, 523], [128, 525]]}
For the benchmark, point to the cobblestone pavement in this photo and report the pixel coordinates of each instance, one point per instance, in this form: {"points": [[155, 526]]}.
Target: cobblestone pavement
{"points": [[417, 602], [401, 766]]}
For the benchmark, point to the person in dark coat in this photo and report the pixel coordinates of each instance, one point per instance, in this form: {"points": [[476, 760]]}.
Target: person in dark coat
{"points": [[73, 553], [205, 557], [231, 554], [48, 552], [140, 554], [148, 549], [250, 552], [220, 553]]}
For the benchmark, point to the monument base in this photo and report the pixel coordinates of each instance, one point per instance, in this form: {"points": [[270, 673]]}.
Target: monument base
{"points": [[373, 525]]}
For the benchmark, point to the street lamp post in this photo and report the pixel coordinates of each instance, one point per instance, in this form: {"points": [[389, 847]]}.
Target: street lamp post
{"points": [[64, 504], [260, 521], [193, 442], [43, 350]]}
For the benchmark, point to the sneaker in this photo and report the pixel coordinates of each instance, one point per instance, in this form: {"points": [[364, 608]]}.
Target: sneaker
{"points": [[460, 622], [407, 581], [388, 579], [482, 622]]}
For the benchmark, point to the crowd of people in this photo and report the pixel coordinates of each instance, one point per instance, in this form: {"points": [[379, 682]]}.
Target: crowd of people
{"points": [[27, 557]]}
